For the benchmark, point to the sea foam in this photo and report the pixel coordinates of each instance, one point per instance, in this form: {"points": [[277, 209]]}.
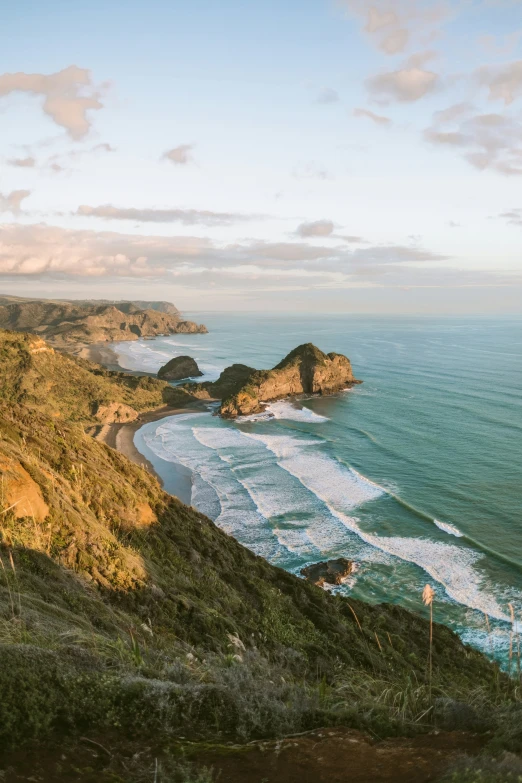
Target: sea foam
{"points": [[285, 410], [342, 489], [451, 529]]}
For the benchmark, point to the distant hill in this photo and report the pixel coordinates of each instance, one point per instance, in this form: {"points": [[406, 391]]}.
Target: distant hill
{"points": [[65, 323], [124, 305]]}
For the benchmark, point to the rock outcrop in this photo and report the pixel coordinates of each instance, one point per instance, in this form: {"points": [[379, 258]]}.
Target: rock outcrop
{"points": [[231, 379], [66, 323], [306, 370], [115, 413], [333, 572], [178, 368]]}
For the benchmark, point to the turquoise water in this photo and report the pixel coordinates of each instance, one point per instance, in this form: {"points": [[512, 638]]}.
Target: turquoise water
{"points": [[416, 474]]}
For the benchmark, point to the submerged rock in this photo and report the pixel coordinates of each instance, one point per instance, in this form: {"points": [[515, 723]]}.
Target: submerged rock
{"points": [[333, 572], [178, 368]]}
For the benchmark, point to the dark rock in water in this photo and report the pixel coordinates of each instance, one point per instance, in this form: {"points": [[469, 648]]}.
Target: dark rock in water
{"points": [[178, 368], [332, 571]]}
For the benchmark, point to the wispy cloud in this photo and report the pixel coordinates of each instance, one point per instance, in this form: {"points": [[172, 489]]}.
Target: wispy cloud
{"points": [[504, 82], [378, 119], [327, 95], [149, 215], [22, 163], [486, 141]]}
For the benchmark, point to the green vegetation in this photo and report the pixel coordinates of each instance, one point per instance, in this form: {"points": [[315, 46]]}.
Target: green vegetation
{"points": [[124, 611]]}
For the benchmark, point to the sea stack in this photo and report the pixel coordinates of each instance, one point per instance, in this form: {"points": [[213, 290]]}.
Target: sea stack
{"points": [[306, 370], [178, 368]]}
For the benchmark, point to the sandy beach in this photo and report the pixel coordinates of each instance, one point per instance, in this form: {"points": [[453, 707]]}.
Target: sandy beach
{"points": [[121, 438], [177, 480]]}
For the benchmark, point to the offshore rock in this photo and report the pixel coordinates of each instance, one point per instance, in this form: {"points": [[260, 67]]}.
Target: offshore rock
{"points": [[333, 572], [178, 368], [306, 370]]}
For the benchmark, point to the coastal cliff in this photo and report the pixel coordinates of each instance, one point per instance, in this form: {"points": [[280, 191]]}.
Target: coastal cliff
{"points": [[68, 323], [132, 618], [306, 370]]}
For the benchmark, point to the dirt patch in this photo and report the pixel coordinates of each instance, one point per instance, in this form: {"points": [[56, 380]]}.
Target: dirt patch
{"points": [[116, 413], [21, 492], [338, 755], [146, 516]]}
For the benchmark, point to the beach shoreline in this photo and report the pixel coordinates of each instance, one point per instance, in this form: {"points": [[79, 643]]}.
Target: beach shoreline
{"points": [[121, 438]]}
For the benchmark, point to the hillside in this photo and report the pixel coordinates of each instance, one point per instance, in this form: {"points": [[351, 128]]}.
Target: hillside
{"points": [[132, 618], [68, 323]]}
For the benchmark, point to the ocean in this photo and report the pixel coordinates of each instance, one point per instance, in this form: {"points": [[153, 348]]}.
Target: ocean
{"points": [[416, 475]]}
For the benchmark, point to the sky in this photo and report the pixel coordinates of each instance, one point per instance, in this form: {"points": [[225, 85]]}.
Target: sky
{"points": [[308, 155]]}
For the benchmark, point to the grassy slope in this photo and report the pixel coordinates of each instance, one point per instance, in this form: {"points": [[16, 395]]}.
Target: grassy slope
{"points": [[124, 609]]}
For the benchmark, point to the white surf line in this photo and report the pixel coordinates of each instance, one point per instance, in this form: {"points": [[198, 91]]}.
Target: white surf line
{"points": [[447, 564]]}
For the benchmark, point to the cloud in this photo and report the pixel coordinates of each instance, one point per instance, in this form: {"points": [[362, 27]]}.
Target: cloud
{"points": [[395, 25], [327, 95], [504, 82], [52, 251], [49, 254], [406, 85], [12, 201], [317, 228], [22, 163], [68, 96], [513, 217], [180, 155], [501, 45], [104, 147], [185, 216], [486, 141], [378, 119], [65, 161], [310, 170]]}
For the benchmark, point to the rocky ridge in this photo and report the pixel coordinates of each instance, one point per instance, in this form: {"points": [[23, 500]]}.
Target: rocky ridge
{"points": [[306, 370], [67, 323]]}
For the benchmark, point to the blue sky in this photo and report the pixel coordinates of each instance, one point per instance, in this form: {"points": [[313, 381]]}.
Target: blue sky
{"points": [[349, 156]]}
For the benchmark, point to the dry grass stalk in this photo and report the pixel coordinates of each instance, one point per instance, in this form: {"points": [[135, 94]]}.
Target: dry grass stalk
{"points": [[356, 618], [512, 613], [428, 594]]}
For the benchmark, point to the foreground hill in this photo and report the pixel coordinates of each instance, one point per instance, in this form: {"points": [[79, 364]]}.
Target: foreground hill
{"points": [[67, 323], [129, 617]]}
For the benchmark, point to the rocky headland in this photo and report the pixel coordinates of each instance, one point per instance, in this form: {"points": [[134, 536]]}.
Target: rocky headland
{"points": [[66, 324], [178, 368], [306, 370]]}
